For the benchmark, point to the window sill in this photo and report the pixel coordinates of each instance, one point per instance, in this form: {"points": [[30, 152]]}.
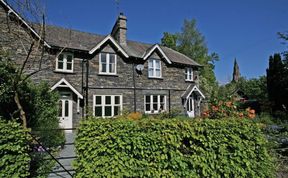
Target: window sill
{"points": [[189, 80], [63, 71], [107, 74], [157, 78]]}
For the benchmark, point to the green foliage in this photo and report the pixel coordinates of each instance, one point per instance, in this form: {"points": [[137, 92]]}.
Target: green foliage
{"points": [[171, 148], [43, 114], [192, 43], [39, 104], [277, 83], [14, 148]]}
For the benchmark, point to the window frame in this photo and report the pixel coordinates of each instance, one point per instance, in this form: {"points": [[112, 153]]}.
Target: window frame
{"points": [[112, 105], [189, 72], [151, 102], [154, 68], [65, 57], [107, 64]]}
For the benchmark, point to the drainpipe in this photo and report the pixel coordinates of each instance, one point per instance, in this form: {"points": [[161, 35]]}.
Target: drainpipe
{"points": [[82, 85], [134, 86], [87, 76]]}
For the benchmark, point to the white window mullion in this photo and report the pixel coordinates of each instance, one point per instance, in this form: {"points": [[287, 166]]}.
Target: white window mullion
{"points": [[107, 62]]}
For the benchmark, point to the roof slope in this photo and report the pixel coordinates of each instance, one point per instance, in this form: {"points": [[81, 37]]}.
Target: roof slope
{"points": [[74, 39]]}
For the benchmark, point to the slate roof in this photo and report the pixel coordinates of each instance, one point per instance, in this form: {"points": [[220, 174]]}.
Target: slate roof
{"points": [[74, 39]]}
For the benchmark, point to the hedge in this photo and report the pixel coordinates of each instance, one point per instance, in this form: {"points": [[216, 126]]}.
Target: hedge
{"points": [[171, 148], [14, 148]]}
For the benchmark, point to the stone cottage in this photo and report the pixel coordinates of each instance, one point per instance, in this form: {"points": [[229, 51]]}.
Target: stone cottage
{"points": [[103, 75]]}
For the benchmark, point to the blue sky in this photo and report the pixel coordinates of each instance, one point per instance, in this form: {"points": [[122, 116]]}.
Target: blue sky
{"points": [[245, 30]]}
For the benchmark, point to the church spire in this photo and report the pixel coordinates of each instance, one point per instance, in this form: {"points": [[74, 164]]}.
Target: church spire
{"points": [[236, 72]]}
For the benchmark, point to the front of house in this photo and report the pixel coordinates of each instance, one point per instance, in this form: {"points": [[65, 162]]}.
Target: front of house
{"points": [[107, 75]]}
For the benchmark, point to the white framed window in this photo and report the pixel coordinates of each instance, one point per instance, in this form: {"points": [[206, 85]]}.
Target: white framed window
{"points": [[65, 62], [107, 105], [155, 103], [189, 74], [107, 63], [154, 68]]}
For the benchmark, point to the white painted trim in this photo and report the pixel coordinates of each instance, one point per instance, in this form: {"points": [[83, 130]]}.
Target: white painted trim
{"points": [[195, 88], [102, 105], [158, 104], [109, 38], [68, 85], [107, 64], [187, 73], [156, 46], [154, 68], [65, 54], [24, 22]]}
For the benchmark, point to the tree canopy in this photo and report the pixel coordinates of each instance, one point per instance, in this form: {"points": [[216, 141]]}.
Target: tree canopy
{"points": [[192, 43], [277, 83]]}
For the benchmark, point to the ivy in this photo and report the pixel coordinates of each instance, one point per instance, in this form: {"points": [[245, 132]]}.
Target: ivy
{"points": [[14, 149], [171, 148]]}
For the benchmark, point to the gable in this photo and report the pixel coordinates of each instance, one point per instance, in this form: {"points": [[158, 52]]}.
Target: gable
{"points": [[109, 39], [153, 49], [11, 11]]}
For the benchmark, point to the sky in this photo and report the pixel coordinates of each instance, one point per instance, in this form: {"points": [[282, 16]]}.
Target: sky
{"points": [[245, 30]]}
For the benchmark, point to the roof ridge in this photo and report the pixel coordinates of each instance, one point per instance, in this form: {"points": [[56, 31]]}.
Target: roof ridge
{"points": [[72, 29]]}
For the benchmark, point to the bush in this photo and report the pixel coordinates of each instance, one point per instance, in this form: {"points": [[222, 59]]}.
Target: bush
{"points": [[171, 148], [14, 148]]}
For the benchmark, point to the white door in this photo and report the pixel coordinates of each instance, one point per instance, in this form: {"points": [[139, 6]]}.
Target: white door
{"points": [[65, 113], [190, 107]]}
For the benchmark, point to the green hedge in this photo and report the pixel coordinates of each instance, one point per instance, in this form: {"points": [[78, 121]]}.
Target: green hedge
{"points": [[171, 148], [14, 148]]}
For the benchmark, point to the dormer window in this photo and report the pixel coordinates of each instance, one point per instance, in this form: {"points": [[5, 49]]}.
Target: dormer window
{"points": [[189, 74], [154, 68], [64, 62], [107, 63]]}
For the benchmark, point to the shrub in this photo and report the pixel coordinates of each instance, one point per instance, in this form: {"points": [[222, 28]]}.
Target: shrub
{"points": [[14, 148], [227, 108], [171, 148]]}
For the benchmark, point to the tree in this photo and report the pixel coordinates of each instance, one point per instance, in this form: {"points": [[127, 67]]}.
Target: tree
{"points": [[39, 103], [32, 48], [192, 43], [277, 83]]}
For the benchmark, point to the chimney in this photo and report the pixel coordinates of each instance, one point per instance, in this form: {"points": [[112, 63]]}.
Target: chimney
{"points": [[120, 29]]}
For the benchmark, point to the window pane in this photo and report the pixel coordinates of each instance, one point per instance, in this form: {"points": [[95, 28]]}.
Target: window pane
{"points": [[150, 72], [108, 111], [69, 66], [161, 98], [60, 65], [155, 107], [116, 110], [157, 64], [112, 58], [161, 107], [148, 107], [112, 68], [98, 111], [158, 73], [60, 57], [98, 100], [103, 68], [107, 99], [155, 99], [66, 108], [69, 58], [150, 63], [117, 99], [60, 109], [147, 99], [103, 57]]}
